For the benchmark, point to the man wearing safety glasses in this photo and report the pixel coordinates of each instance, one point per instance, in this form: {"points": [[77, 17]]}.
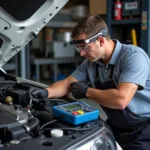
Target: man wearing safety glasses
{"points": [[115, 75]]}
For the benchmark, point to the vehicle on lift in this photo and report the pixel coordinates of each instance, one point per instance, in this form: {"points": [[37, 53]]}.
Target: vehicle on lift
{"points": [[30, 123]]}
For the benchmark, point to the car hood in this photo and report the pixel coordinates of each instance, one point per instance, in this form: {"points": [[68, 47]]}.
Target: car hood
{"points": [[20, 21]]}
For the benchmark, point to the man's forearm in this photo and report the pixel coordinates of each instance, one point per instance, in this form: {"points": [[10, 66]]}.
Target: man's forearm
{"points": [[58, 89], [108, 98], [114, 98]]}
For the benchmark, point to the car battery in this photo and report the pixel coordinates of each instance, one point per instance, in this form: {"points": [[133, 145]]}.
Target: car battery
{"points": [[131, 8]]}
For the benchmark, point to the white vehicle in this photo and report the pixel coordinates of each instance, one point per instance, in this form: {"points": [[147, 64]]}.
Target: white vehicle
{"points": [[30, 124]]}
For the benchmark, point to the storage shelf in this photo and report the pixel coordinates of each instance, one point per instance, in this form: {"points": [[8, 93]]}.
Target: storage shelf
{"points": [[54, 61], [141, 24], [126, 21], [59, 60], [61, 24]]}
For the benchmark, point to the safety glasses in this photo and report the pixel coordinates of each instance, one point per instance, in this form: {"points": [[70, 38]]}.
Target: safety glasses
{"points": [[102, 32], [84, 44], [82, 48]]}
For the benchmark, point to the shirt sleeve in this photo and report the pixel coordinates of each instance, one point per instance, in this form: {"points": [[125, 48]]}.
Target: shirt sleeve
{"points": [[135, 69], [81, 73]]}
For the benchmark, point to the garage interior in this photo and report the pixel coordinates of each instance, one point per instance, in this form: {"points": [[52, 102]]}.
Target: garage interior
{"points": [[49, 57], [43, 62]]}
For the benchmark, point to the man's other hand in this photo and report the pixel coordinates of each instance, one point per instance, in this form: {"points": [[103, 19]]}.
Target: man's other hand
{"points": [[79, 89]]}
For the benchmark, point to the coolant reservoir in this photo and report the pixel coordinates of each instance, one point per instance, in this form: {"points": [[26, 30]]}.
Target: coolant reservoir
{"points": [[56, 133]]}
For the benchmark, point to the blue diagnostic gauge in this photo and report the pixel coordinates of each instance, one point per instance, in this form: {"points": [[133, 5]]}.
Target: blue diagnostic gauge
{"points": [[75, 113]]}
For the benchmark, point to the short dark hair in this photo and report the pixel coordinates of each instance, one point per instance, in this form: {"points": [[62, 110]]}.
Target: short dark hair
{"points": [[89, 25]]}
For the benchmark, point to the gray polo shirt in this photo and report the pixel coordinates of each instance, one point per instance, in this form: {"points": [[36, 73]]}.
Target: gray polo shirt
{"points": [[131, 65]]}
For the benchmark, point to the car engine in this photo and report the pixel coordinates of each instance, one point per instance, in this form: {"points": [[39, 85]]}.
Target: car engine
{"points": [[25, 122]]}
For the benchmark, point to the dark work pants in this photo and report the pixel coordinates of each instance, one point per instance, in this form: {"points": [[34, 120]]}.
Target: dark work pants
{"points": [[137, 138]]}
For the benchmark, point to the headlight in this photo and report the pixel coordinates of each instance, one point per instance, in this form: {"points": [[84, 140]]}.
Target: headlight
{"points": [[101, 140]]}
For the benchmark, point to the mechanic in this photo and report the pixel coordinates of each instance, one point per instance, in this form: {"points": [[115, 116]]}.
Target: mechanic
{"points": [[113, 74]]}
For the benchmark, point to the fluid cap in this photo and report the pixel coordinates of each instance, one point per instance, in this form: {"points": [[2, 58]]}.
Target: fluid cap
{"points": [[56, 133]]}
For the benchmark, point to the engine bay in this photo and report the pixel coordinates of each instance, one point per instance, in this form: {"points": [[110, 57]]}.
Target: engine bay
{"points": [[24, 123], [28, 123]]}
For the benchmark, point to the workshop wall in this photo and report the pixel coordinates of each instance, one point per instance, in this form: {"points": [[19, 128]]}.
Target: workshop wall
{"points": [[52, 42]]}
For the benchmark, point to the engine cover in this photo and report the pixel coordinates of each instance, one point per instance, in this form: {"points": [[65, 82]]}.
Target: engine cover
{"points": [[12, 116]]}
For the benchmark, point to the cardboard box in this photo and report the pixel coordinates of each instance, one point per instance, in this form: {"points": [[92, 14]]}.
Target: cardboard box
{"points": [[98, 7]]}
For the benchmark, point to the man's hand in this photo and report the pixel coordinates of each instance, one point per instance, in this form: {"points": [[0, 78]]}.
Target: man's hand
{"points": [[39, 93], [36, 94], [79, 89]]}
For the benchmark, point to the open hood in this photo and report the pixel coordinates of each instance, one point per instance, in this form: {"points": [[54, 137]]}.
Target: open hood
{"points": [[20, 21]]}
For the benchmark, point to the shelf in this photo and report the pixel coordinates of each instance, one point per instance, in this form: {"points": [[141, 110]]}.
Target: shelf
{"points": [[127, 21], [63, 60], [142, 24], [54, 61], [61, 24]]}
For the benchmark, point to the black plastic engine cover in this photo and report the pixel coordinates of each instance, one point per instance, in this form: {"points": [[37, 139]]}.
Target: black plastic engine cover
{"points": [[7, 120]]}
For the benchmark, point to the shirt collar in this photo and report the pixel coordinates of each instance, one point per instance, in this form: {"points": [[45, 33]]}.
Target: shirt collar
{"points": [[116, 53]]}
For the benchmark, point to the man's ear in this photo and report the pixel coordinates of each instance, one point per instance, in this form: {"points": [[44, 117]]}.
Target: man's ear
{"points": [[101, 40]]}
